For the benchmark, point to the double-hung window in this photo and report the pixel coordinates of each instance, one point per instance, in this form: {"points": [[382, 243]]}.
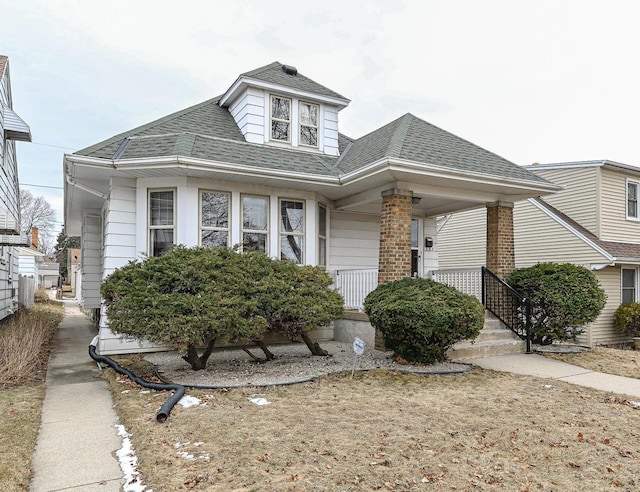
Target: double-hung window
{"points": [[308, 116], [280, 119], [628, 285], [161, 221], [632, 200], [292, 231], [322, 235], [214, 219], [255, 223]]}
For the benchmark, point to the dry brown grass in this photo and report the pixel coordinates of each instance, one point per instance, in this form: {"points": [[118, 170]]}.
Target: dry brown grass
{"points": [[25, 343], [24, 351], [20, 410], [609, 360], [480, 430]]}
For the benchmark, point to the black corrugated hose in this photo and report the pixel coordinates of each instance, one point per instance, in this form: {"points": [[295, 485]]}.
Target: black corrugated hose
{"points": [[165, 410]]}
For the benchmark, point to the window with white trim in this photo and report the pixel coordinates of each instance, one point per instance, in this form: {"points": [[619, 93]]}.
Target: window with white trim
{"points": [[214, 219], [292, 231], [255, 223], [322, 235], [308, 118], [628, 285], [632, 200], [161, 221], [280, 119]]}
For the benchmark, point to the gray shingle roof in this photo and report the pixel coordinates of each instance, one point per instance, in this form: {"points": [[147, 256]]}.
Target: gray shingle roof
{"points": [[206, 118], [208, 131], [231, 152], [413, 139], [274, 73]]}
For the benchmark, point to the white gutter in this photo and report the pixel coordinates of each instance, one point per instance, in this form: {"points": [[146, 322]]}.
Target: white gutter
{"points": [[575, 232]]}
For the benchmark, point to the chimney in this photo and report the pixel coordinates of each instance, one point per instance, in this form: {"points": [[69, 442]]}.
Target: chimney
{"points": [[34, 237]]}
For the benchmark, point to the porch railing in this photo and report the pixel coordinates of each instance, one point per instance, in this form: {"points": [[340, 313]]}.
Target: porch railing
{"points": [[355, 285], [466, 280], [507, 305]]}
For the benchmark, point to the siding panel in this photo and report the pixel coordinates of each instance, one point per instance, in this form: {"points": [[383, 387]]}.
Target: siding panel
{"points": [[579, 198], [615, 226], [354, 241]]}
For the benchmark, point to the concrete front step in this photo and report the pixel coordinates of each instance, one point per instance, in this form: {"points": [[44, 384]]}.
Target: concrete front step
{"points": [[468, 350], [494, 339]]}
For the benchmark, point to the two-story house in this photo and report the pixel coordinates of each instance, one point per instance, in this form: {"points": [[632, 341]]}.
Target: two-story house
{"points": [[12, 129], [593, 221], [264, 166]]}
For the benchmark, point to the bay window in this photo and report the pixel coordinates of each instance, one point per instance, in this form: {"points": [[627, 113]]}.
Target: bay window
{"points": [[161, 221], [292, 231], [214, 219], [255, 223]]}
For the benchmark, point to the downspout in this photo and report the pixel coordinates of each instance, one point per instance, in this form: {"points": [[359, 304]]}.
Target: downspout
{"points": [[165, 410]]}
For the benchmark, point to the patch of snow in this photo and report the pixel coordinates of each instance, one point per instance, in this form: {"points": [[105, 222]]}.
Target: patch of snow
{"points": [[186, 456], [128, 463], [124, 392], [260, 401], [189, 401], [145, 392], [548, 386], [179, 445], [634, 404]]}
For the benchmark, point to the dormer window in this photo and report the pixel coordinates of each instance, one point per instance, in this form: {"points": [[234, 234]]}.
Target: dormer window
{"points": [[280, 119], [309, 124]]}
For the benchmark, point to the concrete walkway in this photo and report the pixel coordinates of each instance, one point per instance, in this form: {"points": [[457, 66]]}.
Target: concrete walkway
{"points": [[544, 367], [77, 440]]}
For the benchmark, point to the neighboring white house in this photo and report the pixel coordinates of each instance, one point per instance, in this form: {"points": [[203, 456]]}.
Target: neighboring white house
{"points": [[12, 129], [264, 166], [594, 221]]}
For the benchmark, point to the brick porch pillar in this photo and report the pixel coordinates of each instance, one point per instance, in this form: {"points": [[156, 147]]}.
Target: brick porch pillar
{"points": [[500, 246], [394, 260]]}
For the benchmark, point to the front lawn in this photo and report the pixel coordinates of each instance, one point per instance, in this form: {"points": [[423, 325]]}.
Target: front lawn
{"points": [[609, 360], [481, 430]]}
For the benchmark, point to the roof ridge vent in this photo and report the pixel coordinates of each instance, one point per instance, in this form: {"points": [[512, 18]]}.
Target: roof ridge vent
{"points": [[289, 70]]}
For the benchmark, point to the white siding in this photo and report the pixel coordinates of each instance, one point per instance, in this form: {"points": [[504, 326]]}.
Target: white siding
{"points": [[355, 241], [250, 114], [91, 260], [429, 255], [9, 210], [120, 226], [330, 142], [579, 198], [615, 226], [462, 241]]}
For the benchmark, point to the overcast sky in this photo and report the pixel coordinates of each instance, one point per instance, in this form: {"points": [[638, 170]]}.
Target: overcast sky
{"points": [[537, 81]]}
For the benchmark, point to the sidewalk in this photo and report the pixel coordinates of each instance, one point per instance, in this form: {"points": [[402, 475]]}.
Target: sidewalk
{"points": [[544, 367], [77, 440]]}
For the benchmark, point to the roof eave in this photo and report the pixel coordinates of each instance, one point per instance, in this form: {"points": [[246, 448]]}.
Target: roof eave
{"points": [[243, 82], [438, 171]]}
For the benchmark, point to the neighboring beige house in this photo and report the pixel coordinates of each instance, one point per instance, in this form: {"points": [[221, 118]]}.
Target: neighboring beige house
{"points": [[264, 166], [593, 221]]}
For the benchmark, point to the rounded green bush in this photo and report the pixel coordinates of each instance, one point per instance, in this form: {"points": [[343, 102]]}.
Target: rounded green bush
{"points": [[564, 297], [421, 319], [626, 319]]}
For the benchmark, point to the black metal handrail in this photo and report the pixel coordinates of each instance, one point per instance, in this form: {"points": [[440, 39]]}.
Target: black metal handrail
{"points": [[508, 305]]}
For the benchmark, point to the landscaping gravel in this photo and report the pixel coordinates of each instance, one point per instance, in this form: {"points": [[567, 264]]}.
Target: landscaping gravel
{"points": [[232, 367]]}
